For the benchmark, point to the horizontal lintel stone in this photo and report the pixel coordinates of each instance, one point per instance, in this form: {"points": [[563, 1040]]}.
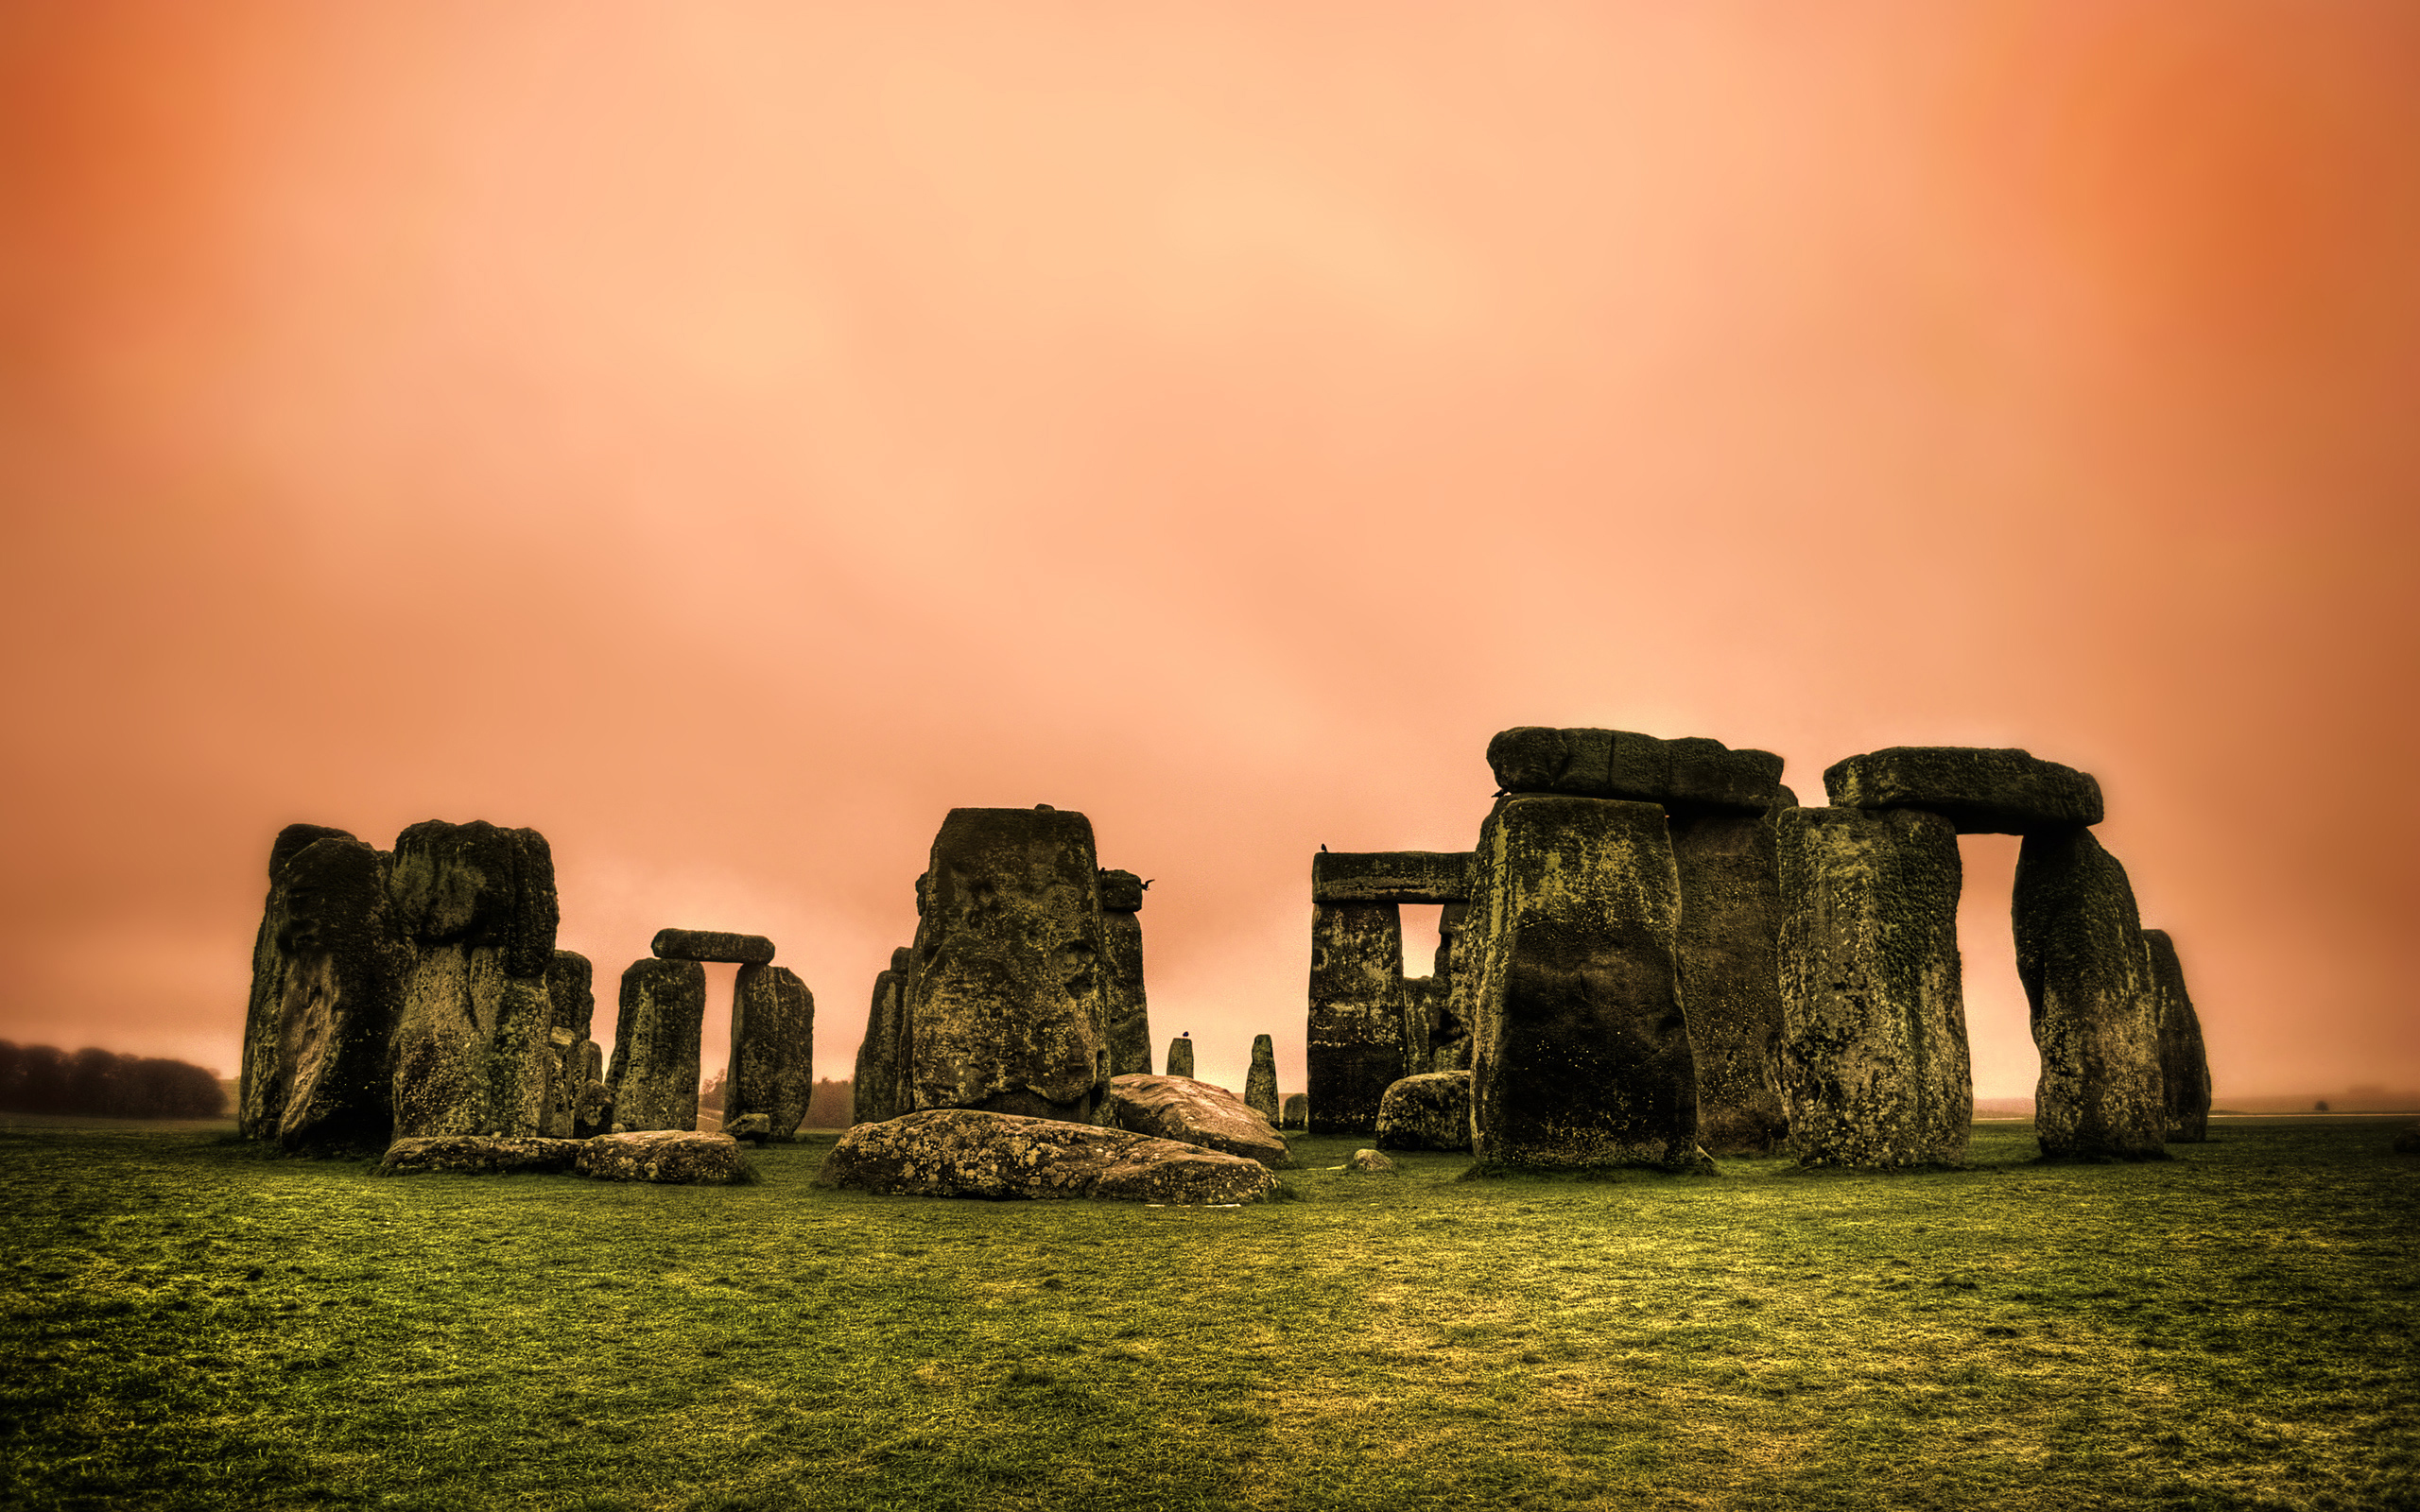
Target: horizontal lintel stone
{"points": [[712, 945], [1979, 790], [1391, 877]]}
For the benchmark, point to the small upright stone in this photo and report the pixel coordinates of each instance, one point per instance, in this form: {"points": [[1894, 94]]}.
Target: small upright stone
{"points": [[1121, 943], [572, 998], [1180, 1055], [1297, 1111], [653, 1082], [1260, 1083], [2183, 1063], [1979, 790], [2080, 953], [772, 1049], [874, 1094], [712, 945], [1369, 1162]]}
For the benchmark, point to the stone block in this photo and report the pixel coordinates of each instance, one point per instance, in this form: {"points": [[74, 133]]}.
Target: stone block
{"points": [[2080, 953], [1981, 791], [964, 1153], [1129, 1010], [1193, 1112], [471, 1046], [1391, 877], [711, 945], [772, 1071], [654, 1079], [674, 1157], [1355, 1037], [1181, 1057], [478, 886], [879, 1078], [1693, 774], [1730, 942], [1121, 892], [1426, 1112], [479, 1155], [2184, 1062], [1297, 1111]]}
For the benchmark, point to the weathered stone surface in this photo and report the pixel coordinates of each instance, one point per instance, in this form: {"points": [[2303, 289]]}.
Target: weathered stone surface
{"points": [[1583, 1053], [2183, 1063], [675, 1156], [881, 1076], [1297, 1111], [654, 1079], [754, 1127], [1260, 1082], [1121, 948], [471, 1047], [1730, 942], [963, 1153], [1006, 1010], [478, 886], [1369, 1162], [1448, 1034], [595, 1113], [1874, 1060], [1181, 1057], [329, 965], [479, 1155], [2080, 953], [1692, 773], [1391, 877], [1355, 1047], [771, 1069], [1431, 1111], [1193, 1112], [571, 998], [711, 945], [1979, 790]]}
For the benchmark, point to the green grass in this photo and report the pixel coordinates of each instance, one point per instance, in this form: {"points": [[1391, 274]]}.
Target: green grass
{"points": [[190, 1324]]}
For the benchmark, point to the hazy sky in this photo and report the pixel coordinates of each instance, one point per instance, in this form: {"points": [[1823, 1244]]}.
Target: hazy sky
{"points": [[726, 436]]}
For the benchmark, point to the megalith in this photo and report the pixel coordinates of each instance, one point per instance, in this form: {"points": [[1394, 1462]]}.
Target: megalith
{"points": [[1007, 1012], [1874, 1060], [571, 995], [1694, 772], [1979, 790], [474, 1037], [1582, 1057], [1297, 1111], [772, 1071], [2183, 1063], [1260, 1082], [1121, 945], [1730, 948], [1354, 1047], [1449, 1030], [1431, 1111], [1180, 1055], [317, 1069], [654, 1079], [875, 1093], [711, 945], [2080, 953]]}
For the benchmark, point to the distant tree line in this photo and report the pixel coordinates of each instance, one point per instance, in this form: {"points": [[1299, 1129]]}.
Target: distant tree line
{"points": [[46, 1080], [832, 1105]]}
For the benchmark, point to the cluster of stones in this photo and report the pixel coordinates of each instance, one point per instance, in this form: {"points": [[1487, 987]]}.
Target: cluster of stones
{"points": [[413, 995], [1655, 954]]}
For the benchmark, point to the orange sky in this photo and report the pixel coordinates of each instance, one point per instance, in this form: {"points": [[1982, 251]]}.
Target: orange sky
{"points": [[725, 437]]}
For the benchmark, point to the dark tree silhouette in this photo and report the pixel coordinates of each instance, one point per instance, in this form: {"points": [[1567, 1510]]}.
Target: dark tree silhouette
{"points": [[41, 1079]]}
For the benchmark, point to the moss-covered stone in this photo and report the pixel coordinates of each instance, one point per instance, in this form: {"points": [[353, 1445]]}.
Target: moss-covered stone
{"points": [[316, 1076], [1120, 891], [1354, 1040], [1583, 1051], [966, 1153], [1431, 1111], [1260, 1082], [1369, 1162], [1193, 1112], [1730, 944], [480, 1154], [2184, 1062], [1121, 945], [1692, 772], [673, 1157], [1875, 1070], [1181, 1057], [711, 945], [1007, 1009], [571, 996], [1391, 877], [772, 1049], [471, 1046], [654, 1078], [260, 1095], [2080, 953], [880, 1079], [1980, 790], [478, 886]]}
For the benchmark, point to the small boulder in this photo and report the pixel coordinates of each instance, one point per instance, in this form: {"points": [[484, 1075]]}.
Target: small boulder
{"points": [[754, 1127], [2406, 1139], [1369, 1162], [1181, 1057], [480, 1154], [1431, 1111], [961, 1152], [667, 1154], [1193, 1112], [1297, 1111]]}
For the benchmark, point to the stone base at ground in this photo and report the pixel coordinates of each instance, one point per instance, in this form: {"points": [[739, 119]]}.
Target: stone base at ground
{"points": [[959, 1153], [674, 1156], [1297, 1111], [1193, 1112], [478, 1155], [1426, 1112]]}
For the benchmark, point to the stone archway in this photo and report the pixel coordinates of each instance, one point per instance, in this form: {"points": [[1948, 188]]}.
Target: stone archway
{"points": [[654, 1073]]}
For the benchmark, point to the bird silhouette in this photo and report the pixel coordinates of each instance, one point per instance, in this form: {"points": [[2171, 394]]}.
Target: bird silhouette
{"points": [[1322, 850], [1146, 883]]}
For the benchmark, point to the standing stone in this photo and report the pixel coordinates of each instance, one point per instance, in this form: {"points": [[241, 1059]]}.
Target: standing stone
{"points": [[1355, 1047], [2184, 1064], [1730, 934], [772, 1071], [259, 1097], [1583, 1051], [1007, 1011], [2080, 953], [474, 1035], [594, 1113], [1450, 1032], [320, 1074], [1122, 942], [1297, 1111], [653, 1082], [1874, 1060], [876, 1091], [572, 997], [1260, 1083], [1180, 1055]]}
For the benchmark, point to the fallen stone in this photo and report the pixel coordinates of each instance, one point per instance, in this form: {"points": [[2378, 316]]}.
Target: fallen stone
{"points": [[2080, 953], [965, 1153], [711, 945], [1427, 1113], [1121, 945], [1979, 790], [772, 1071], [1730, 943], [1009, 1011], [2184, 1062], [881, 1074], [1193, 1112], [1391, 877], [675, 1156], [1369, 1162], [1583, 1053], [1297, 1111], [1694, 773], [754, 1127], [1874, 1060], [1181, 1057], [1260, 1082], [654, 1078], [1355, 1048], [480, 1154]]}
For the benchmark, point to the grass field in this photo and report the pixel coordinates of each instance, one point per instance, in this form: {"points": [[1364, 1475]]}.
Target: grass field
{"points": [[191, 1324]]}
